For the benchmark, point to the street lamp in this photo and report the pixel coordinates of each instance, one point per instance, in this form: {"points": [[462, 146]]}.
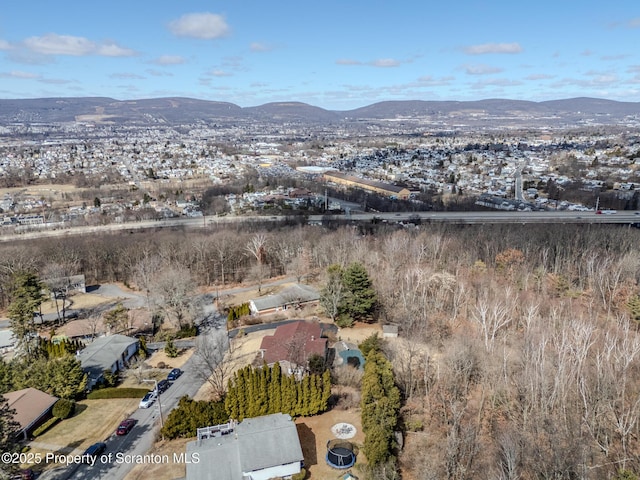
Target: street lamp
{"points": [[149, 380]]}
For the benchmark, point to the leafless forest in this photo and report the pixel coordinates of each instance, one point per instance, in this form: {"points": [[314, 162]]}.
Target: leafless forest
{"points": [[519, 351]]}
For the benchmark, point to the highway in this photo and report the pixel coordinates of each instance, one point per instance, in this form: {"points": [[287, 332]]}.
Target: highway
{"points": [[466, 218]]}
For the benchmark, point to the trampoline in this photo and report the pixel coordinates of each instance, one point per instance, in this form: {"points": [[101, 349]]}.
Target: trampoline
{"points": [[340, 454]]}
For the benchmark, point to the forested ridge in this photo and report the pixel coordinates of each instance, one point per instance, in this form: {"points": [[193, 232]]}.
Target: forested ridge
{"points": [[519, 351]]}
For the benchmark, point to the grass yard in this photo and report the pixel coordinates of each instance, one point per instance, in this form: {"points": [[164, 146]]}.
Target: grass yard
{"points": [[93, 421], [160, 471]]}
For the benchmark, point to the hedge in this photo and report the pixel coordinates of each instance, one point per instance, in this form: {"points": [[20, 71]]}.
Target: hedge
{"points": [[117, 393], [45, 426]]}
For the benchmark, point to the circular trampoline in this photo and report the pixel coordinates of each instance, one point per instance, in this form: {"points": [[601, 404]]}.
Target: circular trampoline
{"points": [[340, 454]]}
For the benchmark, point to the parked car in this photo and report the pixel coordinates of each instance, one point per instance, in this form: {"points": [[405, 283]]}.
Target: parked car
{"points": [[174, 374], [96, 449], [162, 386], [26, 474], [148, 399], [125, 426]]}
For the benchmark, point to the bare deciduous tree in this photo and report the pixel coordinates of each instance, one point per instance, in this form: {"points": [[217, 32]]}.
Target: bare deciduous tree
{"points": [[214, 364]]}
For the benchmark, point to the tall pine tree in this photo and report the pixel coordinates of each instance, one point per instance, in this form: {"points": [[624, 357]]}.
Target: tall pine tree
{"points": [[360, 299]]}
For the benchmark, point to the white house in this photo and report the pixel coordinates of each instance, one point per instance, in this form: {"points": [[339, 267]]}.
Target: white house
{"points": [[106, 353], [259, 448]]}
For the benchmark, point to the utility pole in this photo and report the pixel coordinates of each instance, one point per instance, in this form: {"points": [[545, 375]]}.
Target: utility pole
{"points": [[155, 382]]}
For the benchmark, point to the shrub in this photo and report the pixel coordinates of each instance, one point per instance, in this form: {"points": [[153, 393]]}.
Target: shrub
{"points": [[190, 415], [109, 379], [45, 426], [161, 365], [63, 408], [299, 476], [117, 393], [187, 331], [170, 349]]}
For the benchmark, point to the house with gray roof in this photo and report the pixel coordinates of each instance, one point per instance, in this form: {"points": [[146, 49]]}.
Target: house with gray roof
{"points": [[295, 296], [110, 353], [259, 448]]}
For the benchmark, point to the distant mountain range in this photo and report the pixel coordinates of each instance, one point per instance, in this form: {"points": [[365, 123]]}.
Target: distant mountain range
{"points": [[176, 111]]}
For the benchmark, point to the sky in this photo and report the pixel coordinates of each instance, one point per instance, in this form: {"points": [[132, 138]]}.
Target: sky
{"points": [[334, 54]]}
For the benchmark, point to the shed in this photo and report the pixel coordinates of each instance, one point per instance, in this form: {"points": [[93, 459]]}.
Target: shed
{"points": [[389, 331]]}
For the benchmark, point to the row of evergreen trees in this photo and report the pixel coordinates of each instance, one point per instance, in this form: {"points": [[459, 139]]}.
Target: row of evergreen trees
{"points": [[254, 392], [380, 405], [59, 349]]}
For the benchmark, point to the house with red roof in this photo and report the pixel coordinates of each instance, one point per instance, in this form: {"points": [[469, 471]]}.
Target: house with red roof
{"points": [[292, 344]]}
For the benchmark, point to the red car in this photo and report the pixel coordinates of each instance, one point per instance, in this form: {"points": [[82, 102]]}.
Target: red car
{"points": [[125, 426]]}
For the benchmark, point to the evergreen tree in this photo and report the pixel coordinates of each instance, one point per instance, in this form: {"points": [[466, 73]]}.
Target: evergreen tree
{"points": [[275, 389], [9, 430], [361, 298], [380, 405], [26, 298], [170, 349]]}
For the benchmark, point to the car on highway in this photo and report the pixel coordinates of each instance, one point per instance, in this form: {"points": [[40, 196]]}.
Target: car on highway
{"points": [[162, 386], [125, 426], [95, 449], [174, 374], [148, 399]]}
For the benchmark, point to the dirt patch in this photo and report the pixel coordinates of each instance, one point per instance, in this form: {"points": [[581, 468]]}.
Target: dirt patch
{"points": [[359, 332], [315, 432], [160, 357]]}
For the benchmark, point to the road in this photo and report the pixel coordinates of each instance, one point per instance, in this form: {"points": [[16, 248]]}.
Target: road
{"points": [[125, 449], [435, 217]]}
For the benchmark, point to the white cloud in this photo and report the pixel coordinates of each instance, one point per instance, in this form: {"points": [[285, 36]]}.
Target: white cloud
{"points": [[539, 76], [200, 25], [487, 48], [385, 63], [220, 73], [4, 45], [260, 47], [127, 76], [380, 63], [159, 73], [54, 44], [347, 61], [481, 69], [169, 60], [496, 82], [110, 49], [19, 74], [634, 23]]}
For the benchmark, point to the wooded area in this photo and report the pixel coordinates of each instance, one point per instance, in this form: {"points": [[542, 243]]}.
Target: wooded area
{"points": [[519, 350]]}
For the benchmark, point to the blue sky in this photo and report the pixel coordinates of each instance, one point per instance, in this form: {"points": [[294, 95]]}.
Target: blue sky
{"points": [[338, 54]]}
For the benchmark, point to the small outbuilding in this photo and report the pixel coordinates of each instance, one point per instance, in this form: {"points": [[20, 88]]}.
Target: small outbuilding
{"points": [[389, 331]]}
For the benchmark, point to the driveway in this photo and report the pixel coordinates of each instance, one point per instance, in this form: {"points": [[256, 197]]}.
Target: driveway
{"points": [[130, 300]]}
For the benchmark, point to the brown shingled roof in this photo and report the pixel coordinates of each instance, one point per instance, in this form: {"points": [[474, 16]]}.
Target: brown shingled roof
{"points": [[29, 404], [294, 342]]}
